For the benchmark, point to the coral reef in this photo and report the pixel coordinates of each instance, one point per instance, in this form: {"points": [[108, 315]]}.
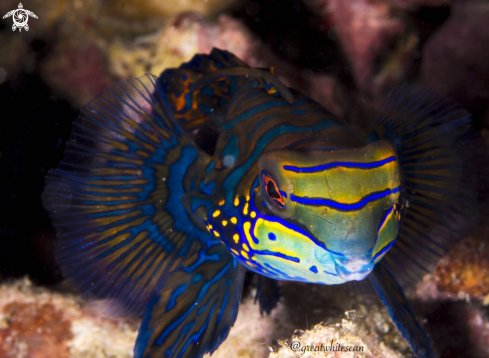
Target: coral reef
{"points": [[368, 332], [38, 323], [462, 274], [377, 40], [76, 71]]}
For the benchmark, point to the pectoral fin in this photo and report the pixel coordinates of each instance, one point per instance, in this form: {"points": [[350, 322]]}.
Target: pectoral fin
{"points": [[193, 310], [267, 294], [392, 296]]}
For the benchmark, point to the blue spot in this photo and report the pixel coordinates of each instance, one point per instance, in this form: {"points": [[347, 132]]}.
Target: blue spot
{"points": [[284, 194], [209, 188], [330, 273], [313, 269], [263, 203], [184, 77], [272, 236], [197, 278]]}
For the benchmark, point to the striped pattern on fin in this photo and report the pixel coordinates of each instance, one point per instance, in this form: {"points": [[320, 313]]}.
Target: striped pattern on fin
{"points": [[192, 313], [120, 227], [194, 108], [443, 160], [392, 296]]}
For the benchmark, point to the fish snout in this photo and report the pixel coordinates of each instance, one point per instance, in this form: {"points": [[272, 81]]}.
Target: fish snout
{"points": [[353, 268]]}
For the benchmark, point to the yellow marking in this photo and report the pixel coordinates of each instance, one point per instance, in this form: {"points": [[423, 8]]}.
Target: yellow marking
{"points": [[251, 264], [246, 229], [209, 226], [248, 197], [224, 223], [253, 214], [263, 227], [245, 254], [216, 213], [235, 252], [245, 209], [272, 70], [393, 212], [236, 238], [246, 247], [234, 220], [216, 233], [236, 201], [222, 202]]}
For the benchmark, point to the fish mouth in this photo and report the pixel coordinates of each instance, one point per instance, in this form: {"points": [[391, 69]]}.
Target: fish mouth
{"points": [[353, 268]]}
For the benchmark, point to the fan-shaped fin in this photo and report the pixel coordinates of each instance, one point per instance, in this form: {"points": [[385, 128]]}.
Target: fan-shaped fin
{"points": [[115, 197], [192, 313], [444, 162]]}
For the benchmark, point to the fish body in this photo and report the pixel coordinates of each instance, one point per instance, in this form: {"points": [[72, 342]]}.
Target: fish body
{"points": [[172, 187], [307, 233]]}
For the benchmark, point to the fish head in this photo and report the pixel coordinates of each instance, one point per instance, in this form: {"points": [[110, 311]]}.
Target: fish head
{"points": [[334, 211]]}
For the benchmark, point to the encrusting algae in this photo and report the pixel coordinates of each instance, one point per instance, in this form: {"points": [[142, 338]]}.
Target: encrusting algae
{"points": [[366, 333]]}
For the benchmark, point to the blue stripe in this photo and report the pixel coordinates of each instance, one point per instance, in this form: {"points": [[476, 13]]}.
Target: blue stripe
{"points": [[277, 254], [322, 167], [342, 206], [385, 216], [203, 292], [387, 247]]}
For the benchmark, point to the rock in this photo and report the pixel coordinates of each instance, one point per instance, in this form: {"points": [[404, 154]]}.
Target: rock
{"points": [[77, 70], [461, 275], [377, 41], [37, 323], [368, 333], [134, 9], [252, 334], [188, 34]]}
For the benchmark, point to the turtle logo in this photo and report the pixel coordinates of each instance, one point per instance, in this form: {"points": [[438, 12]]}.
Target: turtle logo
{"points": [[20, 17]]}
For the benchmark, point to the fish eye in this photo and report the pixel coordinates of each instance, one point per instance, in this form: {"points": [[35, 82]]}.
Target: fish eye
{"points": [[272, 190]]}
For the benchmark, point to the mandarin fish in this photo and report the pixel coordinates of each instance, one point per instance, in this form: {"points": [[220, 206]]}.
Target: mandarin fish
{"points": [[172, 187]]}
